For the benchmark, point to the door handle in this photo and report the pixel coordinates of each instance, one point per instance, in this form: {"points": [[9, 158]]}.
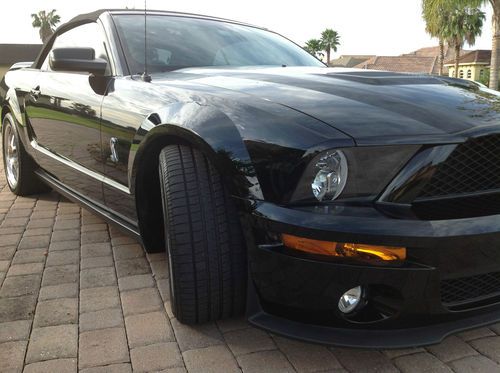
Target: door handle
{"points": [[35, 93]]}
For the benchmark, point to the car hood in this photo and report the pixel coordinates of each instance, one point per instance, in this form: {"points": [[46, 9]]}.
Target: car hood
{"points": [[362, 103]]}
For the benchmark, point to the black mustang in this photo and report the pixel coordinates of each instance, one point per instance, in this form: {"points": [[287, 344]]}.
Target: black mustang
{"points": [[357, 208]]}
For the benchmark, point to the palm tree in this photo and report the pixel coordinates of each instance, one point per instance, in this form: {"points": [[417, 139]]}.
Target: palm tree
{"points": [[495, 40], [435, 15], [46, 22], [464, 25], [495, 43], [313, 46], [330, 39]]}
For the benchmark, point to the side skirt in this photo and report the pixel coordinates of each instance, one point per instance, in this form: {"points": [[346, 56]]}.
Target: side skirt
{"points": [[110, 217]]}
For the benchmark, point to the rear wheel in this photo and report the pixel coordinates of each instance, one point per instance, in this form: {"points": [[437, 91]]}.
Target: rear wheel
{"points": [[204, 242], [18, 166]]}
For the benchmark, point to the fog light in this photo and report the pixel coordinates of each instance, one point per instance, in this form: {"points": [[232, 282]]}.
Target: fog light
{"points": [[351, 299]]}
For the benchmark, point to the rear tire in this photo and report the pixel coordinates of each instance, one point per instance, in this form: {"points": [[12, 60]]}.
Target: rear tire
{"points": [[19, 167], [204, 242]]}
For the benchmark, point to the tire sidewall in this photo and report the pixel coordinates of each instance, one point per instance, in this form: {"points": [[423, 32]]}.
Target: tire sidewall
{"points": [[171, 275], [168, 246]]}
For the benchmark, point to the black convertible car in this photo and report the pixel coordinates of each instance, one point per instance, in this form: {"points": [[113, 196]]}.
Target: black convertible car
{"points": [[348, 207]]}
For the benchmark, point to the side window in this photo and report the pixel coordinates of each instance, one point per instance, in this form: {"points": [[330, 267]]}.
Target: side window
{"points": [[88, 35]]}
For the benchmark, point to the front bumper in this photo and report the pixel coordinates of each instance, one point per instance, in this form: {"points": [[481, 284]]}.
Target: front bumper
{"points": [[297, 296]]}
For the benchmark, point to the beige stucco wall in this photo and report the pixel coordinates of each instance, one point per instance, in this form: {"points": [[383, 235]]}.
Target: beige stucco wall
{"points": [[3, 70], [469, 72]]}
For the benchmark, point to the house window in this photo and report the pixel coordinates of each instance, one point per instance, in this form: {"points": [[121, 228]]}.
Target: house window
{"points": [[461, 74], [481, 73], [469, 74]]}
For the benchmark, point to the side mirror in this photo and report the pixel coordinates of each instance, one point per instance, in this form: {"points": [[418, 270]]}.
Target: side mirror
{"points": [[78, 60]]}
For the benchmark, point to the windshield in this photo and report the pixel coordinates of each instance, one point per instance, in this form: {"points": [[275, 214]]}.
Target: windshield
{"points": [[175, 42]]}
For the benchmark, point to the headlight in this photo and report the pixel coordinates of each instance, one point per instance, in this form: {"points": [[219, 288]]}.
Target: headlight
{"points": [[331, 177], [357, 172]]}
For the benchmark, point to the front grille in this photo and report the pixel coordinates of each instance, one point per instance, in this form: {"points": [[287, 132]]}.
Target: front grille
{"points": [[473, 167], [470, 289], [465, 185]]}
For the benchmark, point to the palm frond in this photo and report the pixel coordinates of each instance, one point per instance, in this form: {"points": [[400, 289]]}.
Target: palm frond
{"points": [[46, 22]]}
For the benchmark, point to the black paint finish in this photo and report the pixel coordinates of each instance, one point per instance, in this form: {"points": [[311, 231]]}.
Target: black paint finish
{"points": [[261, 126]]}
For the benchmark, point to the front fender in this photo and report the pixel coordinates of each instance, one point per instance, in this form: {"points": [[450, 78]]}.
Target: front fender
{"points": [[206, 128], [10, 102], [14, 88], [260, 147]]}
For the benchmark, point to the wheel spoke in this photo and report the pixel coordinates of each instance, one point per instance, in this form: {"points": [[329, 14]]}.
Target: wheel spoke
{"points": [[14, 168], [11, 156], [13, 143]]}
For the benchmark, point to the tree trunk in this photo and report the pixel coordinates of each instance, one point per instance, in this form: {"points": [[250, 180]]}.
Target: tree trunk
{"points": [[495, 46], [328, 56], [457, 58], [441, 56], [45, 33]]}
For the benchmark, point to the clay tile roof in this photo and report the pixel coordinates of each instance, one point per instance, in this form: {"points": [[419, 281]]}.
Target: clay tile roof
{"points": [[349, 60], [433, 52], [12, 53], [425, 52], [421, 61], [407, 64], [477, 56]]}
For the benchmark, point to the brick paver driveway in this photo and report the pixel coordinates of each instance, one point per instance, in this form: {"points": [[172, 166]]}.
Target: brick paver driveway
{"points": [[75, 294]]}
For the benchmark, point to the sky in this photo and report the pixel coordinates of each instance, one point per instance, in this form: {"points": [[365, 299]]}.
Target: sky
{"points": [[383, 27]]}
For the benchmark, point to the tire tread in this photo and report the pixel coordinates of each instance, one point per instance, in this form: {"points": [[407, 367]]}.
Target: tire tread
{"points": [[204, 238]]}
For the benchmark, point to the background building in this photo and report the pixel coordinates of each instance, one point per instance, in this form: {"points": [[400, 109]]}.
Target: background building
{"points": [[349, 60], [12, 53], [474, 65], [421, 61]]}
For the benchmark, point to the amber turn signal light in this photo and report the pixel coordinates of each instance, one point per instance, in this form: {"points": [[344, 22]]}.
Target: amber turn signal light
{"points": [[355, 251]]}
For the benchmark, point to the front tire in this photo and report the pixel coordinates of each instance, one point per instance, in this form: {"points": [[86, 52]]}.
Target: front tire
{"points": [[204, 242], [19, 167]]}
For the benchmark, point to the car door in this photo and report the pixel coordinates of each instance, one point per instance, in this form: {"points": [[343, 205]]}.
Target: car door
{"points": [[64, 110]]}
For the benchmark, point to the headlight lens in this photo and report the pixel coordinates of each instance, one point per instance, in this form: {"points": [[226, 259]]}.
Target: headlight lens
{"points": [[371, 168], [331, 177]]}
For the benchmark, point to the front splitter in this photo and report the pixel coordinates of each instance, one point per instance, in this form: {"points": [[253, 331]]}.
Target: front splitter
{"points": [[370, 338]]}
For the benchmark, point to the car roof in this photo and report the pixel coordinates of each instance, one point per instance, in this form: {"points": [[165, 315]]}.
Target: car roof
{"points": [[94, 16]]}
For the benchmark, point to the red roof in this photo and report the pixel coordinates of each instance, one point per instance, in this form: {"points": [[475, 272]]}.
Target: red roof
{"points": [[421, 61], [478, 56], [407, 64]]}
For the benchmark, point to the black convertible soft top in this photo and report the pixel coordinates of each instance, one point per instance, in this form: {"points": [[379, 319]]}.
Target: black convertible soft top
{"points": [[82, 18]]}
